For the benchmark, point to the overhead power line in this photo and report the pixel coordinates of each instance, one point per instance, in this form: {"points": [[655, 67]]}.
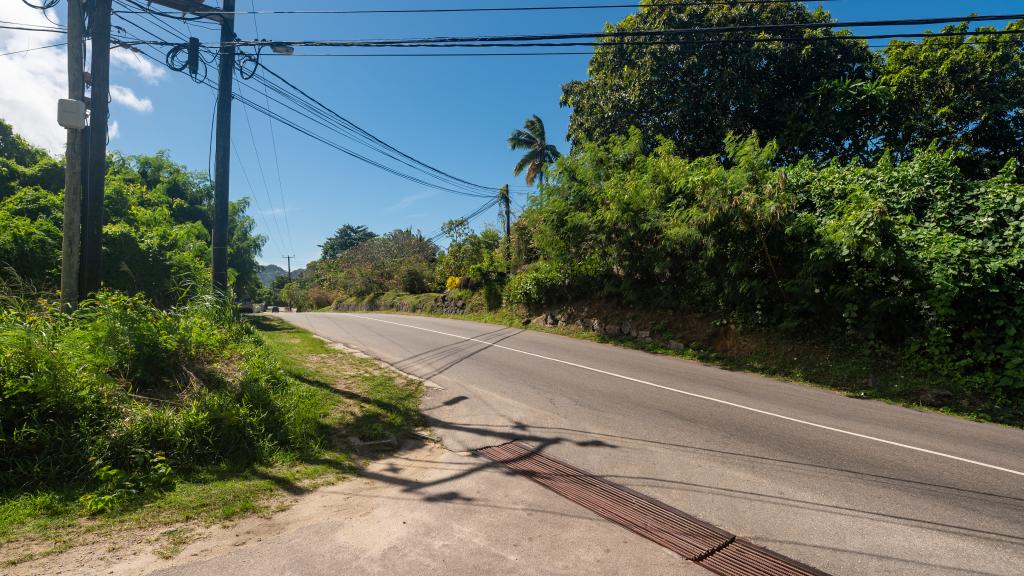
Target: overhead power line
{"points": [[5, 25], [438, 234], [277, 161], [299, 102], [519, 38], [57, 45], [483, 9], [46, 5], [653, 43], [377, 140], [430, 54], [637, 43]]}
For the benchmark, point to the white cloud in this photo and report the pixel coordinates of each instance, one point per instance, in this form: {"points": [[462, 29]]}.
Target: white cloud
{"points": [[32, 82], [114, 130], [126, 97], [146, 70]]}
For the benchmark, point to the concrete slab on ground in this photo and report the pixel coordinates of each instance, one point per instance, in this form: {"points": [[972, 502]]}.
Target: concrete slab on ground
{"points": [[431, 511]]}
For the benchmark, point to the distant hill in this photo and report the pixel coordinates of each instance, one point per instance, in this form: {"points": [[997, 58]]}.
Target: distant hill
{"points": [[271, 272]]}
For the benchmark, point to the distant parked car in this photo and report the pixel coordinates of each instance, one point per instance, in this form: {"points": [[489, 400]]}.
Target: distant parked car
{"points": [[245, 306], [275, 309]]}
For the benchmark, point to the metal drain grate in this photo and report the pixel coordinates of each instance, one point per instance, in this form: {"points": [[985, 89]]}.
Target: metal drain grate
{"points": [[742, 558], [675, 530], [685, 535]]}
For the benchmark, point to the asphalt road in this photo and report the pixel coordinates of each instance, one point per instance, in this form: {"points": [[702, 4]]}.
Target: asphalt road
{"points": [[849, 486]]}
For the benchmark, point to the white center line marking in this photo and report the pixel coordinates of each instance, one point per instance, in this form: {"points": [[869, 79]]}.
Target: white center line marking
{"points": [[701, 396]]}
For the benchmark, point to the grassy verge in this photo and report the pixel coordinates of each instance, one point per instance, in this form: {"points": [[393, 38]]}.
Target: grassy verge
{"points": [[351, 397]]}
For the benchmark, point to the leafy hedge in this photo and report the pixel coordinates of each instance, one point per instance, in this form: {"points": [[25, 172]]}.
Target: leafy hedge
{"points": [[121, 396]]}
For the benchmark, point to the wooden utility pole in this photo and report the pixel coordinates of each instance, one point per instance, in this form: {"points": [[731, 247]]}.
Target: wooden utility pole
{"points": [[289, 259], [71, 249], [92, 218], [222, 158]]}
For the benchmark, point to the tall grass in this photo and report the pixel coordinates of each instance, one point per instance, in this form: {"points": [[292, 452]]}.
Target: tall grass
{"points": [[121, 397]]}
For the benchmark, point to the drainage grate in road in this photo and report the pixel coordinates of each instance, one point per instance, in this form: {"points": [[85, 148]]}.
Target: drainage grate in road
{"points": [[741, 558], [685, 535], [679, 532]]}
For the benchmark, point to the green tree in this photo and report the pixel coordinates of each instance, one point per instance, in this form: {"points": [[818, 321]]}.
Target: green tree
{"points": [[966, 93], [344, 238], [469, 253], [399, 260], [244, 247], [539, 153], [695, 93]]}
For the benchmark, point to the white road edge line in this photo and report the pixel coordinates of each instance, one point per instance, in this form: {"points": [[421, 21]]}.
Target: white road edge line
{"points": [[701, 396]]}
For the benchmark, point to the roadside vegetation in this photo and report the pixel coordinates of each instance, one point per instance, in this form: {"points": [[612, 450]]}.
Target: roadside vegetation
{"points": [[853, 218], [153, 403], [821, 211], [135, 417], [156, 235]]}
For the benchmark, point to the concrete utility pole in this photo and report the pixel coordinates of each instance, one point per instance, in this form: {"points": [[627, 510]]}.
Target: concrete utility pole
{"points": [[71, 249], [92, 236], [289, 259], [506, 201], [222, 158]]}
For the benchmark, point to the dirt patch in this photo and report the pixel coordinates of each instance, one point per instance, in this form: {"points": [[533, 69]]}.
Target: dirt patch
{"points": [[138, 552]]}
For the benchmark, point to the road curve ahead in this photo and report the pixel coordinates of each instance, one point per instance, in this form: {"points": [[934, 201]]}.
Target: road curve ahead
{"points": [[852, 487]]}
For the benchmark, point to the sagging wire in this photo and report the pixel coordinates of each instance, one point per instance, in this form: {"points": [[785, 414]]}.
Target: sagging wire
{"points": [[186, 56], [248, 64], [46, 5]]}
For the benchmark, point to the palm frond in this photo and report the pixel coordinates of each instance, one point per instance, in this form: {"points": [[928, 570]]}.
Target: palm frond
{"points": [[521, 140], [522, 164], [533, 172], [535, 126]]}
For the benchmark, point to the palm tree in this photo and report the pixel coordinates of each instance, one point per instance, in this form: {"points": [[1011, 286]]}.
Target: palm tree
{"points": [[538, 152]]}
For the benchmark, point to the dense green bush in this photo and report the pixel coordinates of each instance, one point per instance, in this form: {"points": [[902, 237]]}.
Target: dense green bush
{"points": [[914, 255], [121, 395], [541, 283], [158, 222]]}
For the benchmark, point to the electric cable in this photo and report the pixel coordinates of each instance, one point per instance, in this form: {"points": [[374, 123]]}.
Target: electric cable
{"points": [[57, 45], [46, 5], [274, 147], [332, 120], [491, 9], [521, 38]]}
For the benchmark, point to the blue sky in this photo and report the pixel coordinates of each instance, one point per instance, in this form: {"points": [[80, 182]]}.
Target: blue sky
{"points": [[454, 113]]}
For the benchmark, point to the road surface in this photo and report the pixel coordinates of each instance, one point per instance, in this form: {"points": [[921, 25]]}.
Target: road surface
{"points": [[849, 486]]}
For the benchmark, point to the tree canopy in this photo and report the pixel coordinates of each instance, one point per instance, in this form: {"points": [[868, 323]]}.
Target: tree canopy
{"points": [[823, 98], [344, 238], [965, 93], [694, 94]]}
